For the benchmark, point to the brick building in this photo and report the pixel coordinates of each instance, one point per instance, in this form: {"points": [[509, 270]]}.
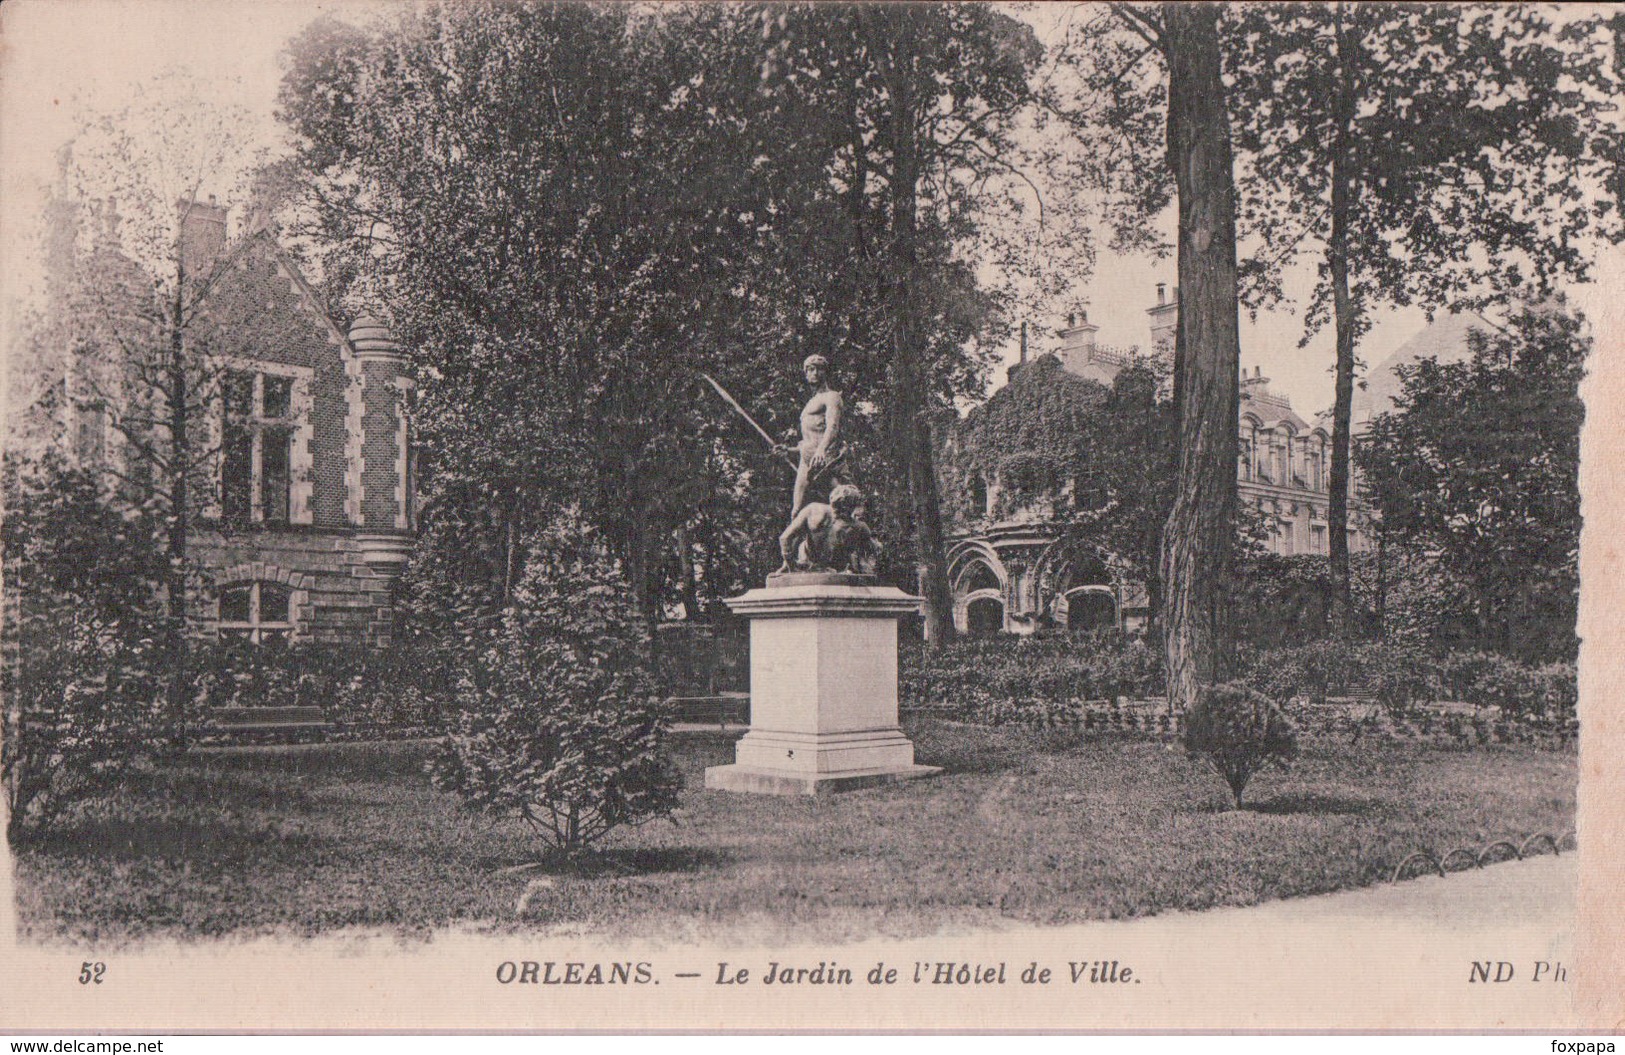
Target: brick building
{"points": [[306, 515]]}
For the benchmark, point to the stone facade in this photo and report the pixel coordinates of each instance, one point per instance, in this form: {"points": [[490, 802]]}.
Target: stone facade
{"points": [[1283, 473]]}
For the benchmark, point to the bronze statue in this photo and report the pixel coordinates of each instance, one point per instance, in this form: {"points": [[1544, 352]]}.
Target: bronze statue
{"points": [[820, 446], [830, 537]]}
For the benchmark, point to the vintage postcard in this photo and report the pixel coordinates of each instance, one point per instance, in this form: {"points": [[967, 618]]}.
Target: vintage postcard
{"points": [[831, 516]]}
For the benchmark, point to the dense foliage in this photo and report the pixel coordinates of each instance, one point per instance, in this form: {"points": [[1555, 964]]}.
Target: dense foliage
{"points": [[558, 722], [85, 676], [133, 341], [384, 692], [974, 675], [1109, 682], [1477, 467], [1095, 462], [1424, 154], [1238, 731]]}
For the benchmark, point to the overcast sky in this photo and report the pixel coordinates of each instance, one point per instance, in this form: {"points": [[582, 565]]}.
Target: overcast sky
{"points": [[63, 58]]}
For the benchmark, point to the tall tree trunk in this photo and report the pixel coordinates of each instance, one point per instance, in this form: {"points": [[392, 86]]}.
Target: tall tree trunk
{"points": [[178, 689], [689, 582], [909, 391], [1344, 313], [1200, 538], [640, 560]]}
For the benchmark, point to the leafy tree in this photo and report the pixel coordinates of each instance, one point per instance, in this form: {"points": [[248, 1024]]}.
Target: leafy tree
{"points": [[559, 723], [1124, 484], [1199, 539], [564, 271], [1111, 95], [764, 182], [130, 344], [1411, 596], [941, 159], [1428, 154], [1425, 153], [1477, 467]]}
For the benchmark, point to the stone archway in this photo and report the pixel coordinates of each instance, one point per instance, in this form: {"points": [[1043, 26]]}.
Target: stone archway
{"points": [[976, 574], [984, 616], [1090, 608]]}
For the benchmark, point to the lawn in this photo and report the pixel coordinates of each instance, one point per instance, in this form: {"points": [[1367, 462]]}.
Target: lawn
{"points": [[1021, 827]]}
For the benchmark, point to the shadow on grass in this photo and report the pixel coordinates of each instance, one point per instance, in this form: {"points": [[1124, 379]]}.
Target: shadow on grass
{"points": [[1013, 752], [1310, 802], [622, 861], [217, 842]]}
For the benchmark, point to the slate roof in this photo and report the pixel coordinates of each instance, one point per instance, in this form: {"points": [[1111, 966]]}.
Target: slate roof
{"points": [[1445, 339]]}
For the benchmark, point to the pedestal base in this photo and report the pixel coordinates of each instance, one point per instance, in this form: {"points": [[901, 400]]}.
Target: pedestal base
{"points": [[823, 688], [769, 782]]}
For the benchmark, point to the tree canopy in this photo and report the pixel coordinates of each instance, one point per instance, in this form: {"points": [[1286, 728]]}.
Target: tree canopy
{"points": [[761, 183], [1427, 154]]}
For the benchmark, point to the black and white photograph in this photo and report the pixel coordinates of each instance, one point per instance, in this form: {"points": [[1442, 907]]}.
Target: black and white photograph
{"points": [[811, 516]]}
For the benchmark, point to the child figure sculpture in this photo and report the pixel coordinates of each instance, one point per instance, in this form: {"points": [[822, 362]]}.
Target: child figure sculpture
{"points": [[830, 537]]}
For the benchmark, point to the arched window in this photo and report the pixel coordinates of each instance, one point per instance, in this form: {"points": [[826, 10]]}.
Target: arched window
{"points": [[261, 612], [983, 617], [982, 578], [1089, 610]]}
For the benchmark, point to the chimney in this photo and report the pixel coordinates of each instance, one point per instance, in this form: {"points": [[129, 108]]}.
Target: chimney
{"points": [[1078, 341], [1164, 321], [1024, 340], [202, 233]]}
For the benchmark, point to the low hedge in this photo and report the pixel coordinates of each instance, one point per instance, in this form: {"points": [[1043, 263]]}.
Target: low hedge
{"points": [[1042, 671], [1062, 680], [366, 691], [1404, 678]]}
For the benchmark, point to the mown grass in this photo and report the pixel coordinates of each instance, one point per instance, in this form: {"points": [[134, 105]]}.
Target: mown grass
{"points": [[1021, 826]]}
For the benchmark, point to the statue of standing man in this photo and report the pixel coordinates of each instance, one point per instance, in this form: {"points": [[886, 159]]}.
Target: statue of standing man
{"points": [[820, 446]]}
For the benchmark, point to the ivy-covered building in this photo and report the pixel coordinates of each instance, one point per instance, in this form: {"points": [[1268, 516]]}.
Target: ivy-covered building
{"points": [[1050, 487]]}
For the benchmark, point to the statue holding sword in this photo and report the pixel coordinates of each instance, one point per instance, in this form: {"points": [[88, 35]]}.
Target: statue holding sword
{"points": [[820, 448]]}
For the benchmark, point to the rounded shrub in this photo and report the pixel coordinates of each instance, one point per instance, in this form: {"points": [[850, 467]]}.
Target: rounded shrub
{"points": [[1238, 731]]}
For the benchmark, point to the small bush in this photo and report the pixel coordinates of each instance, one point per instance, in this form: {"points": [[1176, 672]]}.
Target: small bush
{"points": [[1238, 731], [83, 690], [559, 721], [1402, 675]]}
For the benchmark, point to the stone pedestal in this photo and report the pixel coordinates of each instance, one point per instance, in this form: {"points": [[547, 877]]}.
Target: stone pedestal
{"points": [[823, 688]]}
